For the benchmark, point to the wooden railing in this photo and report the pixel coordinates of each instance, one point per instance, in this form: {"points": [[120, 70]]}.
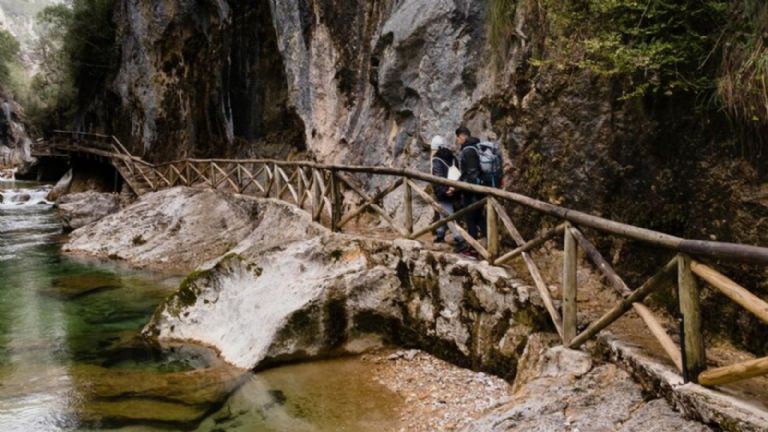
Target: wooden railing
{"points": [[333, 196]]}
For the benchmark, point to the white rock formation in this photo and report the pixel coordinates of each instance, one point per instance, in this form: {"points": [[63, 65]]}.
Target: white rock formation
{"points": [[81, 209], [566, 390], [178, 228]]}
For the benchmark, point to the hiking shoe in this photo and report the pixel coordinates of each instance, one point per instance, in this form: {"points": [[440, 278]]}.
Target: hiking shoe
{"points": [[439, 240], [469, 253], [460, 247]]}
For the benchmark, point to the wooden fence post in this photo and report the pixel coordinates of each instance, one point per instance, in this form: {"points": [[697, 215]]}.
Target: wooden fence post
{"points": [[278, 182], [317, 195], [492, 234], [300, 186], [695, 356], [408, 206], [569, 286], [335, 201]]}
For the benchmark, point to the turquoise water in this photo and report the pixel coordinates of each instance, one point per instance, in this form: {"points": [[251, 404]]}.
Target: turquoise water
{"points": [[71, 357]]}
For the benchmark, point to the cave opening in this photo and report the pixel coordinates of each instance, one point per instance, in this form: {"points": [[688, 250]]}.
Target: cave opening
{"points": [[263, 123]]}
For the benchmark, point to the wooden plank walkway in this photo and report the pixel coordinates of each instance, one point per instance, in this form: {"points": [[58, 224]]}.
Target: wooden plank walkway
{"points": [[335, 198]]}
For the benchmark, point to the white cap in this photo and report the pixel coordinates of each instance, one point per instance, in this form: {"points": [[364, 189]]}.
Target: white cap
{"points": [[438, 142]]}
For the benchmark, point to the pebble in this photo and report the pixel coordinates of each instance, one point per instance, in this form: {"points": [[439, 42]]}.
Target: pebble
{"points": [[438, 396]]}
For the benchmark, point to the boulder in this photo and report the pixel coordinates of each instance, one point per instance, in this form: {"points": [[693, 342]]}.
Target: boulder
{"points": [[569, 391], [178, 228], [61, 187], [81, 209], [300, 292]]}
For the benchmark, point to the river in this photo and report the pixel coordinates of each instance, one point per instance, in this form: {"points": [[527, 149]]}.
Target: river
{"points": [[71, 357]]}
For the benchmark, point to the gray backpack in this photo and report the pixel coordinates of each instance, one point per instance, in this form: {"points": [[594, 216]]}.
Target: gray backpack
{"points": [[491, 163]]}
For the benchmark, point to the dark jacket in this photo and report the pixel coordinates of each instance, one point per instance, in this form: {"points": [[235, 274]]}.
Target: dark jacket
{"points": [[441, 161], [469, 161]]}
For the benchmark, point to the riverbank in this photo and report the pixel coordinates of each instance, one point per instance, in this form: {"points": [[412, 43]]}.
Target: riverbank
{"points": [[300, 293]]}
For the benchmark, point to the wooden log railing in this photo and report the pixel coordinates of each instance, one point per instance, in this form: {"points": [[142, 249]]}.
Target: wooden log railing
{"points": [[335, 197]]}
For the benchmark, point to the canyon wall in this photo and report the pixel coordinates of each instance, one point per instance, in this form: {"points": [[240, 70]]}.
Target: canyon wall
{"points": [[371, 82]]}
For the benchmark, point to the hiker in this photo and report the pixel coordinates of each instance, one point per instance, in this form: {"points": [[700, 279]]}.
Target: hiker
{"points": [[444, 165], [491, 164], [469, 163]]}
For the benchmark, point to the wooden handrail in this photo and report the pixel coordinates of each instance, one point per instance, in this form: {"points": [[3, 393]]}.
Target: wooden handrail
{"points": [[325, 185], [703, 248], [732, 290]]}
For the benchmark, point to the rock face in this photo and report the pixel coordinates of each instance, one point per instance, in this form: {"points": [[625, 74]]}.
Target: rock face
{"points": [[333, 294], [81, 209], [15, 143], [178, 228], [336, 74], [562, 389]]}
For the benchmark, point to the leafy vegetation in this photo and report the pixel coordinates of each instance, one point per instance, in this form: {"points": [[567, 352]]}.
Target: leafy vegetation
{"points": [[714, 50], [656, 45], [743, 83], [79, 55], [9, 55]]}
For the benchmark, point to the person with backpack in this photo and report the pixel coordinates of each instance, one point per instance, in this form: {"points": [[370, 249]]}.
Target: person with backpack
{"points": [[469, 163], [444, 165], [491, 164]]}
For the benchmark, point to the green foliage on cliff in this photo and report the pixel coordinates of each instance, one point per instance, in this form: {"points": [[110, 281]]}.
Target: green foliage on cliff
{"points": [[743, 83], [657, 46], [714, 50], [79, 55], [9, 55]]}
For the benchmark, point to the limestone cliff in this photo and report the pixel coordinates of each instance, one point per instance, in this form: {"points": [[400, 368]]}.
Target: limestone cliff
{"points": [[15, 151]]}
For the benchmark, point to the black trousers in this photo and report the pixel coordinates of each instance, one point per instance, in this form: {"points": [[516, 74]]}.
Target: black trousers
{"points": [[475, 219]]}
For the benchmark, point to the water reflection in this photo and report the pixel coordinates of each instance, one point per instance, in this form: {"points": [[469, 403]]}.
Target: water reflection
{"points": [[71, 357]]}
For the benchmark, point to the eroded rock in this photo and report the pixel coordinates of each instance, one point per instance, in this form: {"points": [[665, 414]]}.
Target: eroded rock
{"points": [[81, 209], [568, 391], [333, 294], [178, 228]]}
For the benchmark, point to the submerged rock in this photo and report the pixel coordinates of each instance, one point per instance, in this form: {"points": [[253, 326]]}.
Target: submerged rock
{"points": [[117, 397], [81, 209], [72, 287]]}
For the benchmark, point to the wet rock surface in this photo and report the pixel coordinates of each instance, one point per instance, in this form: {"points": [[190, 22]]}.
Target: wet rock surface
{"points": [[80, 209]]}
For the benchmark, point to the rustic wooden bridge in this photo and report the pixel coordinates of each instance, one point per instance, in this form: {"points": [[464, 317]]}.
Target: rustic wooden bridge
{"points": [[335, 197]]}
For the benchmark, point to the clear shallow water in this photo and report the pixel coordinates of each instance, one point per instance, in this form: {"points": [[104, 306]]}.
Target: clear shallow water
{"points": [[71, 358]]}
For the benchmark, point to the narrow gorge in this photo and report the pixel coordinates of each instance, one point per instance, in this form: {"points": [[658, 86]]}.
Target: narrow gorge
{"points": [[220, 216]]}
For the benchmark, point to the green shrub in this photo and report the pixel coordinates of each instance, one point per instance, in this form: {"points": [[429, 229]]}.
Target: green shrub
{"points": [[9, 54], [80, 56], [743, 82], [657, 46]]}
